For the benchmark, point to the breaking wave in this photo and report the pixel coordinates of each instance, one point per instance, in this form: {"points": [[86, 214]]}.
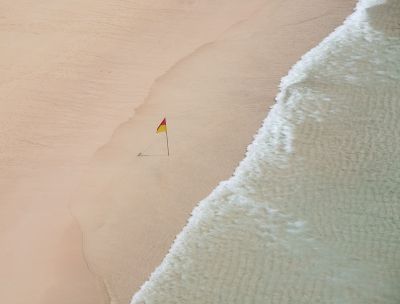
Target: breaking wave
{"points": [[311, 215]]}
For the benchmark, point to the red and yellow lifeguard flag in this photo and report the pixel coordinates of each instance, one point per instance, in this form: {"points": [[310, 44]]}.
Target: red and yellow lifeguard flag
{"points": [[162, 127]]}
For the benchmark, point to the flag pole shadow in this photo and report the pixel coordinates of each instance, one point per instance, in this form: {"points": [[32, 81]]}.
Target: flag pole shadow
{"points": [[162, 128], [145, 155]]}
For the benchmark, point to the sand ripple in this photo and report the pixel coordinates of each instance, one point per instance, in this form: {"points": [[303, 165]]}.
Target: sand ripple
{"points": [[312, 213]]}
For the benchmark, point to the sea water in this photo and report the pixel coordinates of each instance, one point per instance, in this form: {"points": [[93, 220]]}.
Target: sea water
{"points": [[312, 214]]}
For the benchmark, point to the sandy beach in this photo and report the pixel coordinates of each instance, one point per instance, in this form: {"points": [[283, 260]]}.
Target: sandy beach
{"points": [[84, 86]]}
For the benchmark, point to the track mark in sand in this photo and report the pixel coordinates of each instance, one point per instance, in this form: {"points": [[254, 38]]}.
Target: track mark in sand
{"points": [[98, 278], [33, 143], [310, 19], [175, 65]]}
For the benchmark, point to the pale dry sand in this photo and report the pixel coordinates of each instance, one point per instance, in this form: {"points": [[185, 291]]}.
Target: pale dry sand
{"points": [[84, 85]]}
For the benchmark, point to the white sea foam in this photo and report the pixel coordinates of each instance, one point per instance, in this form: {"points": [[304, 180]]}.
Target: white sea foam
{"points": [[311, 214]]}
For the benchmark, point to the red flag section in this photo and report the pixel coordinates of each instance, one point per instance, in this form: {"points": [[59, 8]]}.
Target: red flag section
{"points": [[162, 127]]}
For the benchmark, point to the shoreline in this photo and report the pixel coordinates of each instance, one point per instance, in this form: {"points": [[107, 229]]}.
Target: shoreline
{"points": [[212, 69], [199, 143], [74, 72]]}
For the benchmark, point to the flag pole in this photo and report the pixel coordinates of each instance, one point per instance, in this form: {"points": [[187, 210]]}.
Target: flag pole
{"points": [[166, 135]]}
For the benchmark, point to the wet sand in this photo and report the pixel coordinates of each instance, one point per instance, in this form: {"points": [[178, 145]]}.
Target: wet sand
{"points": [[85, 85]]}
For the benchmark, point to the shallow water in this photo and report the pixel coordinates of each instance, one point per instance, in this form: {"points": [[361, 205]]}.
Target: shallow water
{"points": [[312, 213]]}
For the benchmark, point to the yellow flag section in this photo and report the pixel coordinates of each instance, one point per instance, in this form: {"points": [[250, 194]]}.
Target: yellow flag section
{"points": [[163, 126]]}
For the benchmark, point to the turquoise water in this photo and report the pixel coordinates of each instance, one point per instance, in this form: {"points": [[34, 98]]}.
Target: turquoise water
{"points": [[312, 214]]}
